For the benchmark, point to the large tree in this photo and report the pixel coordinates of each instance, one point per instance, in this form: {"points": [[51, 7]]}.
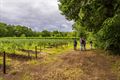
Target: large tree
{"points": [[99, 16], [91, 13]]}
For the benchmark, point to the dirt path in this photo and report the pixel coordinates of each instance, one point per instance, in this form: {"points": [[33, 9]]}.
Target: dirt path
{"points": [[74, 65]]}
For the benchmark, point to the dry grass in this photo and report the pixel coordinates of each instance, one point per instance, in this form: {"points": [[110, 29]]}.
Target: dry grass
{"points": [[72, 65]]}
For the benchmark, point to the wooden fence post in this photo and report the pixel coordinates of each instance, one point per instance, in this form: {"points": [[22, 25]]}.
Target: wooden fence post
{"points": [[36, 52], [4, 62]]}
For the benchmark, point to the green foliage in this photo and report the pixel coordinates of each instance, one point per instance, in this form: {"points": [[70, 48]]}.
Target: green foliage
{"points": [[45, 33], [81, 31], [23, 35], [70, 8], [91, 37], [11, 30], [90, 13], [11, 45], [22, 31], [102, 17], [59, 34], [109, 36]]}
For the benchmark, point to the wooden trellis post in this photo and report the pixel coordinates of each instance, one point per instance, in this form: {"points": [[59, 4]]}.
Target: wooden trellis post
{"points": [[4, 62], [36, 52]]}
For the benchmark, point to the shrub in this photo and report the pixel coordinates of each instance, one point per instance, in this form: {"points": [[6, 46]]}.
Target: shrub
{"points": [[108, 37]]}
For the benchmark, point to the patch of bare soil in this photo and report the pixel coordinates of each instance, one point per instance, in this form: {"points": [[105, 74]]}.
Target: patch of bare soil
{"points": [[74, 65]]}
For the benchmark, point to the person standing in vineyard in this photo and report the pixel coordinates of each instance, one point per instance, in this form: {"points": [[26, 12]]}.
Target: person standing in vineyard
{"points": [[82, 43], [75, 44]]}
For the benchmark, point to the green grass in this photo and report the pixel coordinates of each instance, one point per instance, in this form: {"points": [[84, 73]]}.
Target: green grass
{"points": [[26, 77], [8, 61], [1, 78], [53, 52], [1, 60]]}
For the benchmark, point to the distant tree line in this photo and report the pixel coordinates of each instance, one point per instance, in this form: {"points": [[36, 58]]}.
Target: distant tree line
{"points": [[7, 30]]}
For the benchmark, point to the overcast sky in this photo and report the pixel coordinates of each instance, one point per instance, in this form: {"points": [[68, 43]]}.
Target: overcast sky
{"points": [[37, 14]]}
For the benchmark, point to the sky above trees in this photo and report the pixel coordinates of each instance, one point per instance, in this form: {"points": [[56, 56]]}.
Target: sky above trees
{"points": [[37, 14]]}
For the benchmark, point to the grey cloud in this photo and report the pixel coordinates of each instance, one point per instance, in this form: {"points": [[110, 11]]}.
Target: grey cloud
{"points": [[37, 14]]}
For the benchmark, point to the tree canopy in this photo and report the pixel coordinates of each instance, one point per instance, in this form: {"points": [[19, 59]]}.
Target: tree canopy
{"points": [[99, 16], [91, 13]]}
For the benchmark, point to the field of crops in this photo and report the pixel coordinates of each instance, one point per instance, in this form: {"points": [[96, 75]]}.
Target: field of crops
{"points": [[26, 45], [13, 45], [28, 48]]}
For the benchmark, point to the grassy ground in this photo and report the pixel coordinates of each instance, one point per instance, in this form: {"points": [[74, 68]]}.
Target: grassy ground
{"points": [[46, 56], [64, 63]]}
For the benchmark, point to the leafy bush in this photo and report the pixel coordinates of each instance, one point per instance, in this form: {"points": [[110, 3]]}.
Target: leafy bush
{"points": [[108, 37]]}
